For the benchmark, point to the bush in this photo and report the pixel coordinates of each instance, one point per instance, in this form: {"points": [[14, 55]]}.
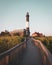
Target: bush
{"points": [[47, 41], [9, 42], [49, 47]]}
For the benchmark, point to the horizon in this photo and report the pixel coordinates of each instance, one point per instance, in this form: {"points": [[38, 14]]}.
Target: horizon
{"points": [[13, 15], [21, 30]]}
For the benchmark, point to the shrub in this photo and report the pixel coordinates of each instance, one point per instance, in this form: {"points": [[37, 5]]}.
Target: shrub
{"points": [[8, 42], [47, 41]]}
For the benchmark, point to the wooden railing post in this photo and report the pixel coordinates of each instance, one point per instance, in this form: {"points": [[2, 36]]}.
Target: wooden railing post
{"points": [[46, 55], [13, 55]]}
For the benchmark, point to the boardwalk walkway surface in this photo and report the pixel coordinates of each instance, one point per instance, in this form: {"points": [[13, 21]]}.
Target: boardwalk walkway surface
{"points": [[32, 55]]}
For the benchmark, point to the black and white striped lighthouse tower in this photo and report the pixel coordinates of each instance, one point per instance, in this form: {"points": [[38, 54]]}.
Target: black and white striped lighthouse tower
{"points": [[27, 25]]}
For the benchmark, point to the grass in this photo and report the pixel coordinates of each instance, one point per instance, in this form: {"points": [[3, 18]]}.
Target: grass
{"points": [[7, 42], [47, 41]]}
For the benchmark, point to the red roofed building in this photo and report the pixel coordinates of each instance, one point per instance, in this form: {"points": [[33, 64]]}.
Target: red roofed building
{"points": [[37, 34]]}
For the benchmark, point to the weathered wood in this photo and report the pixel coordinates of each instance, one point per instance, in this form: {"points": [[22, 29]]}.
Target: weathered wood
{"points": [[46, 55], [12, 55]]}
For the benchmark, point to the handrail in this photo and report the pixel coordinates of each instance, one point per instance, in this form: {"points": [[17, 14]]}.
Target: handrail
{"points": [[46, 55], [8, 51], [5, 57]]}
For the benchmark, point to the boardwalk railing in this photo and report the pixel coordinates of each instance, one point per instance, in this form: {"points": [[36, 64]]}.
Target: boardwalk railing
{"points": [[46, 55], [13, 55]]}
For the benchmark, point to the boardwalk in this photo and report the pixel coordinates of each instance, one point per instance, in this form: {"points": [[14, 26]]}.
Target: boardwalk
{"points": [[32, 55]]}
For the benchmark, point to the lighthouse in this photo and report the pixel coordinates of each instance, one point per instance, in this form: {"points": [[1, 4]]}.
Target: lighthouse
{"points": [[27, 25]]}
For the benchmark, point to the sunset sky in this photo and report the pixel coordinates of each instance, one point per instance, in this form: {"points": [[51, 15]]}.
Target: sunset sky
{"points": [[13, 14]]}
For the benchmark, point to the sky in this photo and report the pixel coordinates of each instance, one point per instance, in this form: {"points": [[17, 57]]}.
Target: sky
{"points": [[13, 15]]}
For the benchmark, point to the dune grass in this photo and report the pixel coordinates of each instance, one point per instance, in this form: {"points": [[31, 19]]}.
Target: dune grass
{"points": [[47, 41], [7, 42]]}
